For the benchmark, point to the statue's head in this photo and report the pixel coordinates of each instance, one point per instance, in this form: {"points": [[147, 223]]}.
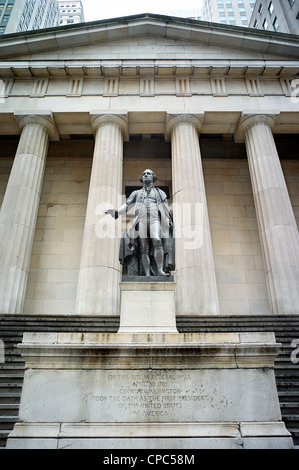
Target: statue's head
{"points": [[147, 173]]}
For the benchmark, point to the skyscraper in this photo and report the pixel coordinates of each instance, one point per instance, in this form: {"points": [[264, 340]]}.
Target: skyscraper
{"points": [[276, 15], [234, 12], [71, 12], [26, 15]]}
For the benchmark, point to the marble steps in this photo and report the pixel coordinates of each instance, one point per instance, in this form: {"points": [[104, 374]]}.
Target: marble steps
{"points": [[8, 409]]}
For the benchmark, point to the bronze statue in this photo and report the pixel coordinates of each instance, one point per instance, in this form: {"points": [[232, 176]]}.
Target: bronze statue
{"points": [[147, 249]]}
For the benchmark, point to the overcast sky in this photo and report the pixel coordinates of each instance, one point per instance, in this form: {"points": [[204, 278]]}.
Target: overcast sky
{"points": [[99, 9]]}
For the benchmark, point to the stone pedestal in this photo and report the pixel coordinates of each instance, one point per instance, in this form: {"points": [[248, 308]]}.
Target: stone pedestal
{"points": [[147, 307], [149, 391]]}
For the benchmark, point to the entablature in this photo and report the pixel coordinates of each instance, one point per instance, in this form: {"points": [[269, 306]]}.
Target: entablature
{"points": [[160, 69]]}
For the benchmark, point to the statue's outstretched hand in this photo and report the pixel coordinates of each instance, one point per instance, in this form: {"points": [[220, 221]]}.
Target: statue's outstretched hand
{"points": [[113, 213]]}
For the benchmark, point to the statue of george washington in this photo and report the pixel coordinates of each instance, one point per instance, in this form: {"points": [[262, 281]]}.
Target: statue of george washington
{"points": [[148, 247]]}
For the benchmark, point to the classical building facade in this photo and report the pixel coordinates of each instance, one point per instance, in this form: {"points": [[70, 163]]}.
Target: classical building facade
{"points": [[212, 110]]}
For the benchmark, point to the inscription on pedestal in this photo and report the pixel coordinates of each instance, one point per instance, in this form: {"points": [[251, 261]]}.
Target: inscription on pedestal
{"points": [[154, 396], [115, 396]]}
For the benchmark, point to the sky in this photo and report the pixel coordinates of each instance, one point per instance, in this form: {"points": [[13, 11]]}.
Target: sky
{"points": [[99, 9]]}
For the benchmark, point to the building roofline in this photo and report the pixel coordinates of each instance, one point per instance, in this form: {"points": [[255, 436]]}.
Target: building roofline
{"points": [[172, 19], [249, 34]]}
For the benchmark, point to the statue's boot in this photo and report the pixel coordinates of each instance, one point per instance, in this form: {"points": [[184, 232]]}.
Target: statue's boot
{"points": [[159, 258], [146, 264]]}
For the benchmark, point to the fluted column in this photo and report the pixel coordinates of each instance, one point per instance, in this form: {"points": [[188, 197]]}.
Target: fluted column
{"points": [[196, 291], [98, 285], [277, 225], [20, 207]]}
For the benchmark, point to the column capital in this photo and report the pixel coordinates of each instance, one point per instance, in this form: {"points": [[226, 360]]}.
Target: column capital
{"points": [[176, 119], [100, 119], [44, 119], [249, 120]]}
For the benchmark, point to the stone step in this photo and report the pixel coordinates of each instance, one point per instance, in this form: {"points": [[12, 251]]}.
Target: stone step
{"points": [[13, 397], [289, 408], [17, 367], [9, 409], [292, 420], [285, 361], [295, 436], [7, 422], [288, 385], [289, 396], [24, 324], [11, 377], [3, 437], [10, 387]]}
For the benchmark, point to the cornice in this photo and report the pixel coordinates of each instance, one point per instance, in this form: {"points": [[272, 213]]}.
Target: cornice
{"points": [[158, 68], [149, 24]]}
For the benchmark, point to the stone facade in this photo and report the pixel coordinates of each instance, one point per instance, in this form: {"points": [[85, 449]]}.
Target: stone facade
{"points": [[89, 107]]}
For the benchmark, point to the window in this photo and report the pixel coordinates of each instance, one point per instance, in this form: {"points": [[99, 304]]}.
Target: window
{"points": [[261, 9], [275, 24], [265, 24], [270, 8], [5, 19], [291, 3]]}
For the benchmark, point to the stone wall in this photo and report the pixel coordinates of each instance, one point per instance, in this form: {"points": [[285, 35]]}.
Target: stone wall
{"points": [[236, 244]]}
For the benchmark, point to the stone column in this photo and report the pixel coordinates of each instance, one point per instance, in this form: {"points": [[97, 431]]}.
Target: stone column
{"points": [[98, 290], [277, 225], [20, 207], [196, 292]]}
